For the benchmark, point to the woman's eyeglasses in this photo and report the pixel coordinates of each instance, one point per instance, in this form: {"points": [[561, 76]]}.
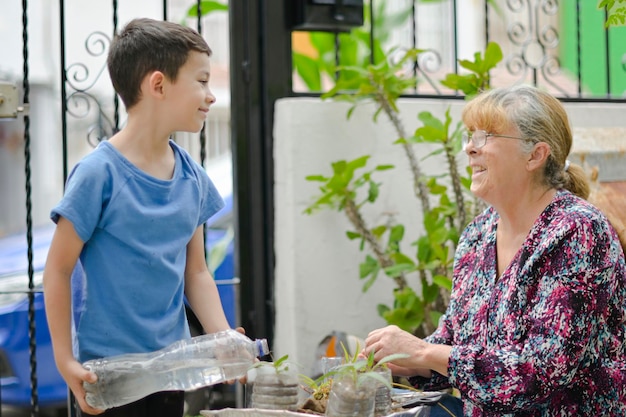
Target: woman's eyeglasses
{"points": [[479, 138]]}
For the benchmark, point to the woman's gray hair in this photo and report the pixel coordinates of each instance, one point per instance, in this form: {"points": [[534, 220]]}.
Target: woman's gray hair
{"points": [[539, 117]]}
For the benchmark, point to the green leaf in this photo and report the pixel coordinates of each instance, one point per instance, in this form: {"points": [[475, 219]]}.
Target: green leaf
{"points": [[438, 236], [370, 281], [429, 120], [353, 235], [429, 134], [339, 166], [397, 233], [384, 167], [373, 191], [350, 111], [382, 309], [436, 188], [468, 84], [431, 292], [443, 281], [357, 163], [279, 362], [396, 270], [207, 7], [323, 42], [423, 249], [392, 357], [348, 53], [319, 178], [369, 266], [407, 312], [435, 316], [379, 230], [309, 71], [493, 55], [400, 258]]}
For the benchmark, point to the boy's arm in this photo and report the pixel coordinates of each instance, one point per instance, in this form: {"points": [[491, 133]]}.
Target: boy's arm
{"points": [[62, 257], [200, 288]]}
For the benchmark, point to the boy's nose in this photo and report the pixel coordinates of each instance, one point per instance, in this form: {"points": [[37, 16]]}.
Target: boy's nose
{"points": [[210, 98]]}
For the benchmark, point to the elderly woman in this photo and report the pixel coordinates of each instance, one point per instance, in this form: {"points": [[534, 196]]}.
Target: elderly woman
{"points": [[536, 321]]}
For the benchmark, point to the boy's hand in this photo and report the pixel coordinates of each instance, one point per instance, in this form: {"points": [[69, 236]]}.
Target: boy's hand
{"points": [[74, 375], [244, 378]]}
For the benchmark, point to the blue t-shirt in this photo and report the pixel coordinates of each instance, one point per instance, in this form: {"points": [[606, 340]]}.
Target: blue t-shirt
{"points": [[135, 230]]}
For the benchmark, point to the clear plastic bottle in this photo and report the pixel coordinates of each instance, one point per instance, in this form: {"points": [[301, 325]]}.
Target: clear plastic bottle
{"points": [[184, 365]]}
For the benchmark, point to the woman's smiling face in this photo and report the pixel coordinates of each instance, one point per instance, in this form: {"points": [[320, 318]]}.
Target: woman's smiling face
{"points": [[498, 167]]}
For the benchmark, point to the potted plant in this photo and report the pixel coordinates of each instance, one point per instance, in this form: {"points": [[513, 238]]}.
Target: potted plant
{"points": [[358, 384], [273, 385], [318, 390]]}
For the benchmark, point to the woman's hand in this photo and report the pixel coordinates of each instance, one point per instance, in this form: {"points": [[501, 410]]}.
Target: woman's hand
{"points": [[391, 339], [422, 356]]}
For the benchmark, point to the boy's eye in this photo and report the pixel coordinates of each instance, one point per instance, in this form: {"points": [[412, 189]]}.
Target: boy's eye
{"points": [[204, 81]]}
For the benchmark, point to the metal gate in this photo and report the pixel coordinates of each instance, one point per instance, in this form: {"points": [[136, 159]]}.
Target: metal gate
{"points": [[260, 60], [84, 111]]}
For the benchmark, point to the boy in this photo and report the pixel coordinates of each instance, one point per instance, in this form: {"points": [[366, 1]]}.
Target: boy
{"points": [[133, 212]]}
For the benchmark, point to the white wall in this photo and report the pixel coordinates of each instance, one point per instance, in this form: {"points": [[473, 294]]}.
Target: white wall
{"points": [[317, 284]]}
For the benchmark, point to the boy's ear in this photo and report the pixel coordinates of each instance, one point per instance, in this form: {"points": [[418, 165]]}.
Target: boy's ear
{"points": [[156, 83]]}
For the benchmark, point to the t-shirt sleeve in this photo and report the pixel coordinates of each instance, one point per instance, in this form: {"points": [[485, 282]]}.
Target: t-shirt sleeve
{"points": [[211, 200], [83, 200]]}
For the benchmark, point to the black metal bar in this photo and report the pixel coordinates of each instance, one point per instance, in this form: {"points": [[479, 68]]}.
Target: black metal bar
{"points": [[260, 73], [246, 166], [414, 40], [458, 97], [536, 28], [116, 99], [486, 23], [204, 126], [70, 396], [579, 73], [455, 61], [607, 63], [455, 37], [63, 89], [32, 331], [337, 55], [372, 38], [165, 9]]}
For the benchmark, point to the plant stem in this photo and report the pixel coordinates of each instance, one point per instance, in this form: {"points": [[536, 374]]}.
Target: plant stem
{"points": [[418, 185], [456, 186], [357, 221]]}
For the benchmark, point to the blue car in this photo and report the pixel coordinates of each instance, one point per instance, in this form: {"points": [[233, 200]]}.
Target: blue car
{"points": [[14, 325]]}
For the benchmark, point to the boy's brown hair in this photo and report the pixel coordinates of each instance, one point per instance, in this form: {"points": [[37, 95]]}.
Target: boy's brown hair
{"points": [[147, 45]]}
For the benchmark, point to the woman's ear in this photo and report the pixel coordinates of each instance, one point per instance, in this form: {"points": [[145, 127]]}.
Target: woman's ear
{"points": [[538, 156]]}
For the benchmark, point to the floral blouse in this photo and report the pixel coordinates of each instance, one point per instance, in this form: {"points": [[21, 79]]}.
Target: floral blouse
{"points": [[547, 337]]}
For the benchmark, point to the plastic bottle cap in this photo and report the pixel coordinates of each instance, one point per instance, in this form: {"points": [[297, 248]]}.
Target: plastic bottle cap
{"points": [[262, 346]]}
